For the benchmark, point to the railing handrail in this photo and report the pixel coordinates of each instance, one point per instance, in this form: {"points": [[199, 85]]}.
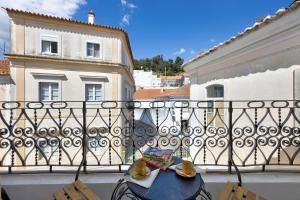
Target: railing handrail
{"points": [[114, 133]]}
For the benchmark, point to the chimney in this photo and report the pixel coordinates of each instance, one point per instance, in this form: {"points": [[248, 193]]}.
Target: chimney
{"points": [[91, 17]]}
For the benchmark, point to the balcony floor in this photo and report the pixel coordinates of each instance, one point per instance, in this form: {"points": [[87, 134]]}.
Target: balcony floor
{"points": [[273, 186]]}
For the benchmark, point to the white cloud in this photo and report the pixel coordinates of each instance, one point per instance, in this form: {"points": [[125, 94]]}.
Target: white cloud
{"points": [[212, 40], [129, 9], [123, 2], [180, 51], [61, 8], [131, 5], [127, 4], [125, 19]]}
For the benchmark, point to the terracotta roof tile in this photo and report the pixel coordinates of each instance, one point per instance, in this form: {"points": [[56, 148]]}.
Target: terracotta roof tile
{"points": [[4, 68], [183, 91], [74, 22]]}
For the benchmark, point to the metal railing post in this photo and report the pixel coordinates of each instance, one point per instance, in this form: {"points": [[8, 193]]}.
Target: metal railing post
{"points": [[84, 139], [230, 147]]}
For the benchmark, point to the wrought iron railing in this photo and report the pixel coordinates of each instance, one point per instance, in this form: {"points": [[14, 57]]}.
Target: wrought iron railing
{"points": [[110, 135]]}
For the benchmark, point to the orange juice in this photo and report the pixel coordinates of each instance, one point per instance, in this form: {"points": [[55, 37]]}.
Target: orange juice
{"points": [[187, 167], [140, 167]]}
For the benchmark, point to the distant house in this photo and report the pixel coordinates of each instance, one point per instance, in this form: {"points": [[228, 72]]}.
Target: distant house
{"points": [[165, 108], [169, 114], [146, 79], [54, 59], [163, 93], [172, 81], [57, 59]]}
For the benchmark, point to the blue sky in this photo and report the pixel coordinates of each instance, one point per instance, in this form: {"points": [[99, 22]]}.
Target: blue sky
{"points": [[185, 27], [168, 27]]}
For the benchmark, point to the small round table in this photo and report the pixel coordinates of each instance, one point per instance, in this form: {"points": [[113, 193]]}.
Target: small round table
{"points": [[169, 186]]}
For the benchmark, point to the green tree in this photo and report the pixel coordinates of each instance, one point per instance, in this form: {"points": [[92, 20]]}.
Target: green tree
{"points": [[160, 66]]}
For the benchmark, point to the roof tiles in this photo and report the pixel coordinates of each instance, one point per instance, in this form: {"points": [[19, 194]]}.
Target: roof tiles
{"points": [[141, 94], [4, 68]]}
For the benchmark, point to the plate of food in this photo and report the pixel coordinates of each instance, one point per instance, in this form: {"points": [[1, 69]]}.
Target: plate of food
{"points": [[186, 169], [139, 170], [139, 175]]}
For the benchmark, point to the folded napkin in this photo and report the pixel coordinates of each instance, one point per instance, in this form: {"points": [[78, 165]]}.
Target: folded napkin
{"points": [[198, 170], [147, 182]]}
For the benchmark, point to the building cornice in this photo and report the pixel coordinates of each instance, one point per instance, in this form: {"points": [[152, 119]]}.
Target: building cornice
{"points": [[32, 58], [268, 40]]}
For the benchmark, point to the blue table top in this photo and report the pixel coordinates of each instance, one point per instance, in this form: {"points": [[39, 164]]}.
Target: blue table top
{"points": [[169, 186]]}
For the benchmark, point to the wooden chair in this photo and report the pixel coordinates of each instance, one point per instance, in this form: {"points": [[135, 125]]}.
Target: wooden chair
{"points": [[75, 191], [235, 192]]}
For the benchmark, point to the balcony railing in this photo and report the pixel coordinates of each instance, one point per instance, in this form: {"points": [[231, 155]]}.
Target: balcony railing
{"points": [[108, 136]]}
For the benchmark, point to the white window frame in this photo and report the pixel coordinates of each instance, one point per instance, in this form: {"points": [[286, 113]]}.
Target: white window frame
{"points": [[50, 38], [50, 93], [214, 100], [94, 91], [100, 49], [48, 150]]}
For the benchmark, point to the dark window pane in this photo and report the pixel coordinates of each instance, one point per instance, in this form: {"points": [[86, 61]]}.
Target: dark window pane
{"points": [[215, 91], [53, 47], [45, 46], [96, 50], [89, 49]]}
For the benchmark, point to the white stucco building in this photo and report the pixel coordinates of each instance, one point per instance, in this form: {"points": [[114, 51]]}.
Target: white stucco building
{"points": [[61, 60], [75, 60], [146, 79], [262, 62]]}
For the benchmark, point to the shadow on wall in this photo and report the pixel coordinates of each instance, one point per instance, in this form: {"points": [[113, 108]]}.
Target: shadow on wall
{"points": [[6, 80], [240, 67]]}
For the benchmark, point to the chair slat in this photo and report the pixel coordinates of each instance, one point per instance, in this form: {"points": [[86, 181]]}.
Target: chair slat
{"points": [[226, 193], [87, 192], [250, 196], [72, 193], [60, 195], [239, 192]]}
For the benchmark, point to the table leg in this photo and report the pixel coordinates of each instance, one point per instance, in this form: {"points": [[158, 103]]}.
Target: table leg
{"points": [[205, 195], [121, 190]]}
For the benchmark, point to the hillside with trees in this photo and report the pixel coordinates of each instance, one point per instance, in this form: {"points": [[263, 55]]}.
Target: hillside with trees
{"points": [[160, 66]]}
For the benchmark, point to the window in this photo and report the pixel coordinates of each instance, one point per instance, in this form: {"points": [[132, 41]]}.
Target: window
{"points": [[49, 151], [93, 49], [215, 91], [48, 91], [93, 92], [210, 106], [215, 105], [49, 47]]}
